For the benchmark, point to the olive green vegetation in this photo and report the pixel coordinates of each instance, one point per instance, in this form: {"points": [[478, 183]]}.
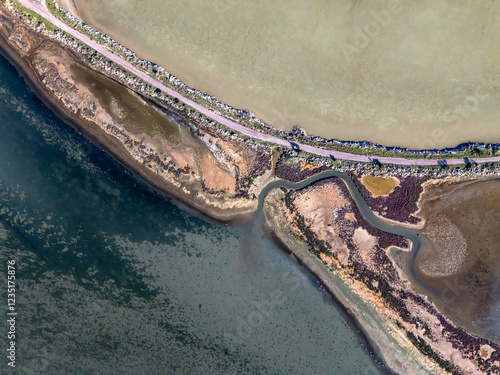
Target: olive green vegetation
{"points": [[62, 16], [125, 108], [471, 152], [32, 17]]}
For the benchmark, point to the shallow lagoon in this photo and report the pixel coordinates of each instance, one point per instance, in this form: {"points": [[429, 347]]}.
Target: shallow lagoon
{"points": [[460, 260], [420, 74], [114, 278], [125, 108]]}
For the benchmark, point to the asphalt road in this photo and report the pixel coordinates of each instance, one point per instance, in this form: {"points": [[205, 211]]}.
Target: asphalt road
{"points": [[39, 7]]}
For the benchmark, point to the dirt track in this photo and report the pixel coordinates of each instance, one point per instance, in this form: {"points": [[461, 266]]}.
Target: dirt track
{"points": [[39, 7]]}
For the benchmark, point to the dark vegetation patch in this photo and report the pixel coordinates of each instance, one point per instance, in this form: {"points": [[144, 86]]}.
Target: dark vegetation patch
{"points": [[293, 171], [427, 350], [385, 239], [402, 202], [261, 162]]}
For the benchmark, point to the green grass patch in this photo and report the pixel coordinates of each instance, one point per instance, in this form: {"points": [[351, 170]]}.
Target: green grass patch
{"points": [[31, 17]]}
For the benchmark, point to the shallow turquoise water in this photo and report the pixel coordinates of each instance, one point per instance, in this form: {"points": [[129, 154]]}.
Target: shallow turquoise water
{"points": [[115, 279]]}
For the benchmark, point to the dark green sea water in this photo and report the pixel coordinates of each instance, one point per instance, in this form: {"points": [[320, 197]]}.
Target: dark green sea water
{"points": [[113, 278]]}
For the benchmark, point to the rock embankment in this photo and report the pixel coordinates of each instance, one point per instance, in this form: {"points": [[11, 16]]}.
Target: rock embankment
{"points": [[212, 171]]}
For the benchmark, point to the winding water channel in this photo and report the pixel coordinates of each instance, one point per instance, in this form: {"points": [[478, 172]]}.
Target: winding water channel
{"points": [[116, 279], [367, 213]]}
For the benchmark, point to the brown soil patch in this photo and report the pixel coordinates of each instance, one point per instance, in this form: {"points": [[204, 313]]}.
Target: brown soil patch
{"points": [[350, 216], [216, 179], [319, 206], [380, 186], [366, 245], [363, 239]]}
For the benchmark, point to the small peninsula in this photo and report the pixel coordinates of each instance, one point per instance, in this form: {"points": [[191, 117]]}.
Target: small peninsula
{"points": [[396, 236]]}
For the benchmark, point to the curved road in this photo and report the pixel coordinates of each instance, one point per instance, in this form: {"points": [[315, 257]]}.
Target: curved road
{"points": [[39, 7]]}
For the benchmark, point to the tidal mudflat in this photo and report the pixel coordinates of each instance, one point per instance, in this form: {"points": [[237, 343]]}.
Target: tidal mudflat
{"points": [[460, 254], [125, 108], [114, 278], [420, 74]]}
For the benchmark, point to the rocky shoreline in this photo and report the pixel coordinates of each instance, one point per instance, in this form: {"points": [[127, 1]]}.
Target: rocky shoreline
{"points": [[249, 119], [145, 163]]}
